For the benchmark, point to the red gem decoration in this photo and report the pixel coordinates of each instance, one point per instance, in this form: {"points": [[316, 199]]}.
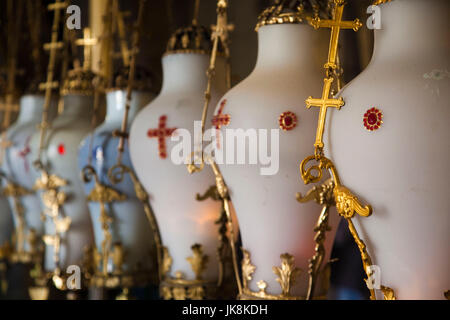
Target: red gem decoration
{"points": [[161, 133], [220, 120], [61, 149], [287, 120], [373, 118]]}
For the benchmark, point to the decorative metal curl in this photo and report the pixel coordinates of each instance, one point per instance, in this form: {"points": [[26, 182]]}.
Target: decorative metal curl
{"points": [[88, 173], [116, 173], [192, 166]]}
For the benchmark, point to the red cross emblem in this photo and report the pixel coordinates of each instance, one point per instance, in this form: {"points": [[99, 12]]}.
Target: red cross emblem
{"points": [[220, 120], [161, 133], [24, 153]]}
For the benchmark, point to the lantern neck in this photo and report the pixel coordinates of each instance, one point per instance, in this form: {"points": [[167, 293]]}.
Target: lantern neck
{"points": [[115, 106], [31, 107], [291, 48], [78, 107], [414, 31], [186, 72]]}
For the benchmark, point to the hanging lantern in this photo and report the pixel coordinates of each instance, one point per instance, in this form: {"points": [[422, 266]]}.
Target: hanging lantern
{"points": [[19, 176], [390, 144], [268, 108], [124, 245], [68, 226], [189, 231]]}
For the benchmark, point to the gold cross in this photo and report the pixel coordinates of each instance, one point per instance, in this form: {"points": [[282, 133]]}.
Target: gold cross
{"points": [[324, 103], [87, 42], [336, 24]]}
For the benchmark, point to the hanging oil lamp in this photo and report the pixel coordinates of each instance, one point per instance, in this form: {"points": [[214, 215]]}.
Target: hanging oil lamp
{"points": [[268, 106], [67, 223], [124, 254], [189, 233], [389, 143]]}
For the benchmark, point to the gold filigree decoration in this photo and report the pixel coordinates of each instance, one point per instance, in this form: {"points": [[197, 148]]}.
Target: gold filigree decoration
{"points": [[323, 195], [347, 204], [247, 269], [289, 12], [198, 261], [179, 288], [287, 273], [53, 199], [103, 195], [388, 293]]}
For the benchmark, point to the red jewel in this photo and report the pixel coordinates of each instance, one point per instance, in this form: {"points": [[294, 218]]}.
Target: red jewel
{"points": [[373, 118], [287, 120], [61, 149]]}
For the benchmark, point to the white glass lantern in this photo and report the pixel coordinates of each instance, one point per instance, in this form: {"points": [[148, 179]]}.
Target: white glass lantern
{"points": [[19, 178], [59, 158], [390, 145], [128, 227], [269, 108], [188, 229]]}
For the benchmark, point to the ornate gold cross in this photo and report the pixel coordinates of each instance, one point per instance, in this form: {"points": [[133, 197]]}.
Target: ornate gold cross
{"points": [[336, 24], [323, 103], [87, 42]]}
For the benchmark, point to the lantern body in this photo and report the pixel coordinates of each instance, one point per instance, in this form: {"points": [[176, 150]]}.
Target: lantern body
{"points": [[129, 226], [183, 221], [399, 167], [60, 157], [272, 222], [18, 163]]}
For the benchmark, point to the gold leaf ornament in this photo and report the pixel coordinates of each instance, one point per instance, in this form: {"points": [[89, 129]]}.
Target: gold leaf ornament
{"points": [[287, 273]]}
